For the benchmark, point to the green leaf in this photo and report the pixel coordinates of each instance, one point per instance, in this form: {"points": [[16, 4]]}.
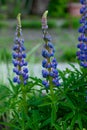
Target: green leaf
{"points": [[69, 116], [73, 66], [29, 123], [57, 127], [4, 96], [34, 120], [9, 125], [84, 117], [79, 121], [64, 126], [45, 104], [53, 114], [46, 122], [73, 122], [70, 102], [12, 89]]}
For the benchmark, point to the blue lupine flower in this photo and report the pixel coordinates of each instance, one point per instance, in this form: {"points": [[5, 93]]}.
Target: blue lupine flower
{"points": [[45, 73], [20, 65], [83, 1], [50, 73], [44, 63], [45, 83], [82, 10], [45, 53], [82, 46]]}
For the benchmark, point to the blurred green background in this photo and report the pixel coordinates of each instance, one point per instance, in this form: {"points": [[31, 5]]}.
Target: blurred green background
{"points": [[62, 21]]}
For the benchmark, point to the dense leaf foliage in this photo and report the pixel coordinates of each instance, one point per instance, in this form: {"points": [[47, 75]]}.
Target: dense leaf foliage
{"points": [[69, 111]]}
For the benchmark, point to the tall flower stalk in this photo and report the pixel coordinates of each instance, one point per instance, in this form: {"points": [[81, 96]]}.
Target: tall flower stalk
{"points": [[82, 53], [20, 65], [50, 72], [19, 55], [82, 46]]}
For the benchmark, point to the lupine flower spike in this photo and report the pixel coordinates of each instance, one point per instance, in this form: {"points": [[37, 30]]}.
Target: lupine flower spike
{"points": [[50, 72], [20, 65], [82, 53]]}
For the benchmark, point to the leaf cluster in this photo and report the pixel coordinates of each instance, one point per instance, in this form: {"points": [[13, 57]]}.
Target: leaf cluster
{"points": [[65, 110]]}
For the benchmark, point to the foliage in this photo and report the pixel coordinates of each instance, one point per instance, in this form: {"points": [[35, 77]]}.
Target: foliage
{"points": [[15, 7], [71, 22], [74, 101], [3, 16], [75, 0], [69, 101], [5, 56], [3, 24], [36, 24], [30, 105], [58, 8], [69, 56]]}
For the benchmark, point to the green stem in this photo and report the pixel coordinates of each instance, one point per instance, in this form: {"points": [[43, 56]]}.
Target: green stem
{"points": [[53, 116], [24, 109], [24, 99], [52, 94], [53, 113]]}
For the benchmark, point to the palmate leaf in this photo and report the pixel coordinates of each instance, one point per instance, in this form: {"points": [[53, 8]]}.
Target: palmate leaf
{"points": [[84, 117], [77, 85], [64, 125], [35, 116], [4, 96], [36, 79], [4, 90], [4, 93], [79, 121], [68, 103], [73, 121], [33, 120], [71, 78], [10, 125], [46, 122], [64, 104], [57, 127], [29, 124], [45, 104], [14, 89], [69, 116], [75, 69], [15, 115], [62, 75]]}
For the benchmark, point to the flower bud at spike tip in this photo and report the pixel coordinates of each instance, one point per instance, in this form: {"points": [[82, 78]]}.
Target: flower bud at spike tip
{"points": [[19, 19], [44, 20], [45, 14]]}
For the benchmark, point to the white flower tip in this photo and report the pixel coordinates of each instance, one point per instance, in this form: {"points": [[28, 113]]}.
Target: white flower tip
{"points": [[19, 19], [45, 14]]}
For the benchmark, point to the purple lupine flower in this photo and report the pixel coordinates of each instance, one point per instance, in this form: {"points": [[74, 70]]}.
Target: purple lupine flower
{"points": [[50, 72], [82, 46], [20, 65]]}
